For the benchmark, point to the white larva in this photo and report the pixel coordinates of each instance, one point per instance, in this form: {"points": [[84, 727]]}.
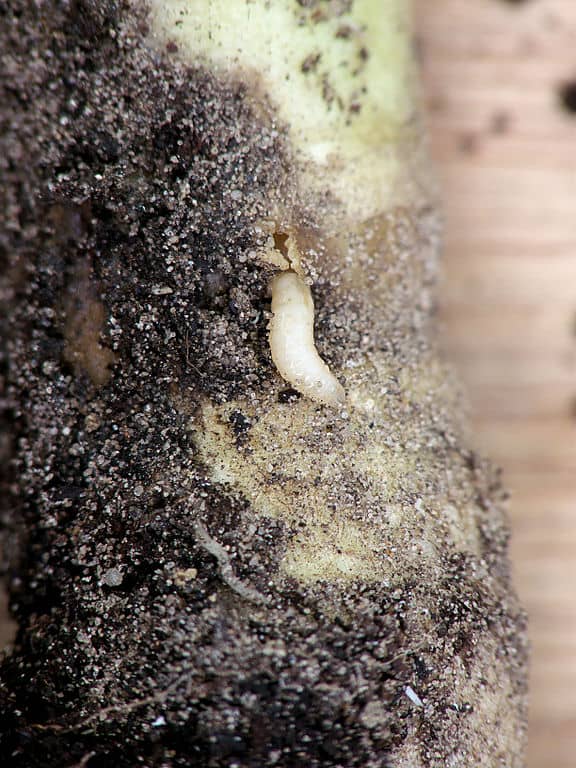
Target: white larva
{"points": [[292, 341]]}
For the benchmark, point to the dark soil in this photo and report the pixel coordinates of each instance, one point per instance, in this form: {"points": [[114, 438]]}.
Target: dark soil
{"points": [[130, 189]]}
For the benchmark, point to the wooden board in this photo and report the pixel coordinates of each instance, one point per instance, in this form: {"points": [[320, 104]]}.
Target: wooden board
{"points": [[505, 150]]}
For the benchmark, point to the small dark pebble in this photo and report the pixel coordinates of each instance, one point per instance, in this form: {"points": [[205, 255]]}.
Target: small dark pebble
{"points": [[288, 396]]}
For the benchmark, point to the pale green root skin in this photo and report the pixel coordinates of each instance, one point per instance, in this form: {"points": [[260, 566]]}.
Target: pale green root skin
{"points": [[382, 489], [299, 457], [342, 83], [342, 86]]}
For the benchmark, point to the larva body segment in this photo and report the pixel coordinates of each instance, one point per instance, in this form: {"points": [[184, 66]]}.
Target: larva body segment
{"points": [[292, 341]]}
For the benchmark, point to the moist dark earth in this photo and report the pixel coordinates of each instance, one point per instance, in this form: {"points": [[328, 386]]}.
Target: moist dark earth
{"points": [[130, 190]]}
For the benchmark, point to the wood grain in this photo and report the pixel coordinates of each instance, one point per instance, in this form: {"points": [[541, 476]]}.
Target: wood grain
{"points": [[505, 150]]}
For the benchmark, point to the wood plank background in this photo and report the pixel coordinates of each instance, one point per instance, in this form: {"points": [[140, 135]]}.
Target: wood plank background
{"points": [[505, 151]]}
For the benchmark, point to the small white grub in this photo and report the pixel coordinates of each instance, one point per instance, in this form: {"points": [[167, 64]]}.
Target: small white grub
{"points": [[413, 696], [292, 341]]}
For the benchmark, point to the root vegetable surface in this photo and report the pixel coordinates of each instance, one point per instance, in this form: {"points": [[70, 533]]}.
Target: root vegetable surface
{"points": [[209, 567]]}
